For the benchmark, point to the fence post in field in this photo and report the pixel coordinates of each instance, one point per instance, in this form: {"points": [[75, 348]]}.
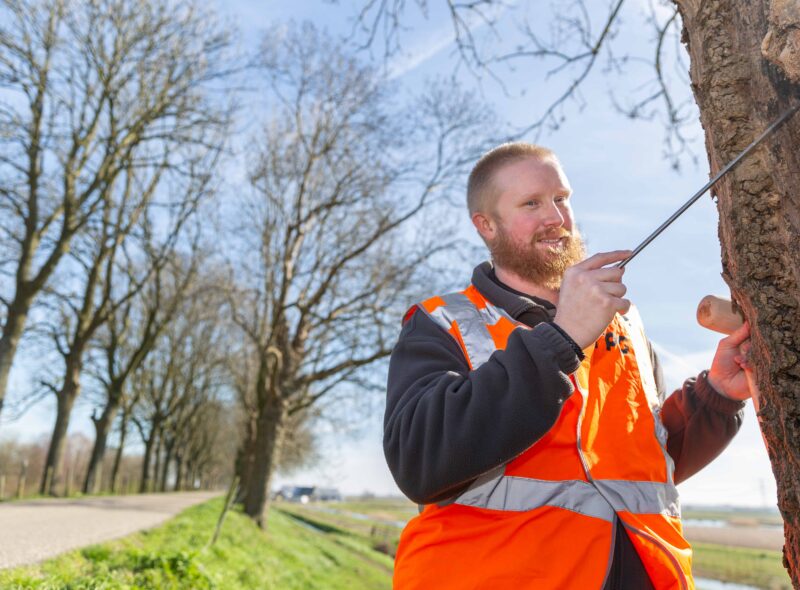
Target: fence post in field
{"points": [[2, 486], [23, 474], [68, 482]]}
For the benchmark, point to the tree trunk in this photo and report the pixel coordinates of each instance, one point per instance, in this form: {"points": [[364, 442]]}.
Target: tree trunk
{"points": [[13, 328], [245, 458], [123, 431], [144, 483], [66, 400], [102, 426], [269, 435], [178, 471], [157, 454], [740, 91], [168, 447]]}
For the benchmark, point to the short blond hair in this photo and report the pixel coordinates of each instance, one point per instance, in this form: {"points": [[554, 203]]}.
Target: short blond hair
{"points": [[480, 187]]}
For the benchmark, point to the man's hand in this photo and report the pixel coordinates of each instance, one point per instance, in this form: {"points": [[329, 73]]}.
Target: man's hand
{"points": [[728, 372], [590, 295]]}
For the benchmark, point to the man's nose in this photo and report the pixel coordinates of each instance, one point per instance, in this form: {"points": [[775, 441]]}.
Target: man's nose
{"points": [[553, 217]]}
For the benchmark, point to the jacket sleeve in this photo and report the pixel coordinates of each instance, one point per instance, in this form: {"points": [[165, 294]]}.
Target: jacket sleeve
{"points": [[700, 423], [445, 424]]}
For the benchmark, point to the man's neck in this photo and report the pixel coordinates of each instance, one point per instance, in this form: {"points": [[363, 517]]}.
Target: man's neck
{"points": [[519, 284]]}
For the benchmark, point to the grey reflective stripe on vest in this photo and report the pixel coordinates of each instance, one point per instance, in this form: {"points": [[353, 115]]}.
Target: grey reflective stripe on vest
{"points": [[471, 322], [599, 498], [520, 494], [640, 497]]}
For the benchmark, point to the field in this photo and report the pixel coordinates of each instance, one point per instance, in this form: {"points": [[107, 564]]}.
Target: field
{"points": [[348, 545]]}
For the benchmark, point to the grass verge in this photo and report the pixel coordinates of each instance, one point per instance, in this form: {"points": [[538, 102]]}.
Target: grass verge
{"points": [[289, 556], [755, 567]]}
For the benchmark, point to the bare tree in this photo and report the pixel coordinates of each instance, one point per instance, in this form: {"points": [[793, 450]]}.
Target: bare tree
{"points": [[179, 378], [298, 447], [92, 89], [130, 334], [207, 447], [337, 182]]}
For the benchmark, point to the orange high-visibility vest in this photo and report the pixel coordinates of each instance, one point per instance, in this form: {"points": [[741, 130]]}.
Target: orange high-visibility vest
{"points": [[547, 519]]}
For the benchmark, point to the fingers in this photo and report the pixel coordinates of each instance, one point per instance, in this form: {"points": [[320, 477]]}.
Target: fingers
{"points": [[603, 258], [611, 274], [615, 289], [622, 305], [743, 359], [738, 336]]}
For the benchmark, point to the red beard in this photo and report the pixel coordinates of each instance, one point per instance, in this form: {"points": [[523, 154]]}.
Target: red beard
{"points": [[545, 268]]}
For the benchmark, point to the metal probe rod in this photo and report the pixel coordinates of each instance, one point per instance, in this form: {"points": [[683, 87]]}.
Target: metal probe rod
{"points": [[791, 111]]}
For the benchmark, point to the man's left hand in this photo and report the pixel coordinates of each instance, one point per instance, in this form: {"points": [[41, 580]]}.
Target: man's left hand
{"points": [[727, 373]]}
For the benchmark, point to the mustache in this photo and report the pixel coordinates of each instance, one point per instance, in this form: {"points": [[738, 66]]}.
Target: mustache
{"points": [[552, 235]]}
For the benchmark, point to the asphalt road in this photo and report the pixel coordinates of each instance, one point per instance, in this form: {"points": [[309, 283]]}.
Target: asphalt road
{"points": [[35, 530]]}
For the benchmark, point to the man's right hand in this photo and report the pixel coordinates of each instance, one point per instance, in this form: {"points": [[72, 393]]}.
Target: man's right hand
{"points": [[590, 295]]}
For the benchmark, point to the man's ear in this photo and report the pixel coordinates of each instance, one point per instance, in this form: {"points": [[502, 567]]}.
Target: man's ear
{"points": [[486, 226]]}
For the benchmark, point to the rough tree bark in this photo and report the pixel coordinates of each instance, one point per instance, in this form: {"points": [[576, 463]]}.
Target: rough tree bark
{"points": [[269, 437], [745, 70]]}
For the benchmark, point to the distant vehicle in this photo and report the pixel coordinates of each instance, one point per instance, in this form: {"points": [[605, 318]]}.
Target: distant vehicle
{"points": [[306, 494], [327, 495]]}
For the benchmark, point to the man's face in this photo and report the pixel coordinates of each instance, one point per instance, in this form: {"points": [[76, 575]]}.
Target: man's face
{"points": [[533, 232]]}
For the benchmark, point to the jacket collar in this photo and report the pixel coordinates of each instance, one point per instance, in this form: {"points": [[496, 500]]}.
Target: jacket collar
{"points": [[513, 302]]}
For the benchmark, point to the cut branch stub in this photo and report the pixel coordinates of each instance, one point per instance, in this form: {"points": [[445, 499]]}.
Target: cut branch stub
{"points": [[781, 44]]}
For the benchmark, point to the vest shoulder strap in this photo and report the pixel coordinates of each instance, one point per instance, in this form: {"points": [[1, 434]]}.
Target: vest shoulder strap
{"points": [[465, 316]]}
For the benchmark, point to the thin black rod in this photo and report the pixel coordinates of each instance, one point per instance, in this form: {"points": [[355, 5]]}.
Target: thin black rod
{"points": [[711, 183]]}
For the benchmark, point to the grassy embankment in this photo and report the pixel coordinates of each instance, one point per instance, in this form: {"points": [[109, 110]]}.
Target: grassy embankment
{"points": [[339, 553], [290, 556]]}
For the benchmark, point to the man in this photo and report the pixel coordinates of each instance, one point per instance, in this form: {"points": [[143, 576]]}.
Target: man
{"points": [[527, 412]]}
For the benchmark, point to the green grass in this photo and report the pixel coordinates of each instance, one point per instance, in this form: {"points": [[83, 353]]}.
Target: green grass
{"points": [[386, 509], [375, 534], [289, 556], [756, 567]]}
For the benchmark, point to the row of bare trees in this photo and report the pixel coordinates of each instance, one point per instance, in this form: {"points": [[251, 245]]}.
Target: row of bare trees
{"points": [[213, 323]]}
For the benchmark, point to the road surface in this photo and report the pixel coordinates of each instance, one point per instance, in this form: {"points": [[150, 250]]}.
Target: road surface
{"points": [[35, 530]]}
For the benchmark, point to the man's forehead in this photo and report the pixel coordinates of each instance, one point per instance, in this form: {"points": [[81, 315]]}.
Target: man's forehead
{"points": [[545, 169]]}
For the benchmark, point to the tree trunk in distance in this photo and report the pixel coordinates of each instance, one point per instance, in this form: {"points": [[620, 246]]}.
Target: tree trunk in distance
{"points": [[162, 486], [179, 475], [740, 90], [157, 455], [102, 427], [269, 435], [9, 340], [66, 400], [123, 431], [144, 483]]}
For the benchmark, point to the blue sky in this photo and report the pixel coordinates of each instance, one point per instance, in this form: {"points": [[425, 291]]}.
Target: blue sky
{"points": [[623, 186]]}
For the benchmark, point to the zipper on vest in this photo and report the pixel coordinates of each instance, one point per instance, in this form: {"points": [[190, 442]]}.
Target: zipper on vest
{"points": [[660, 545]]}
